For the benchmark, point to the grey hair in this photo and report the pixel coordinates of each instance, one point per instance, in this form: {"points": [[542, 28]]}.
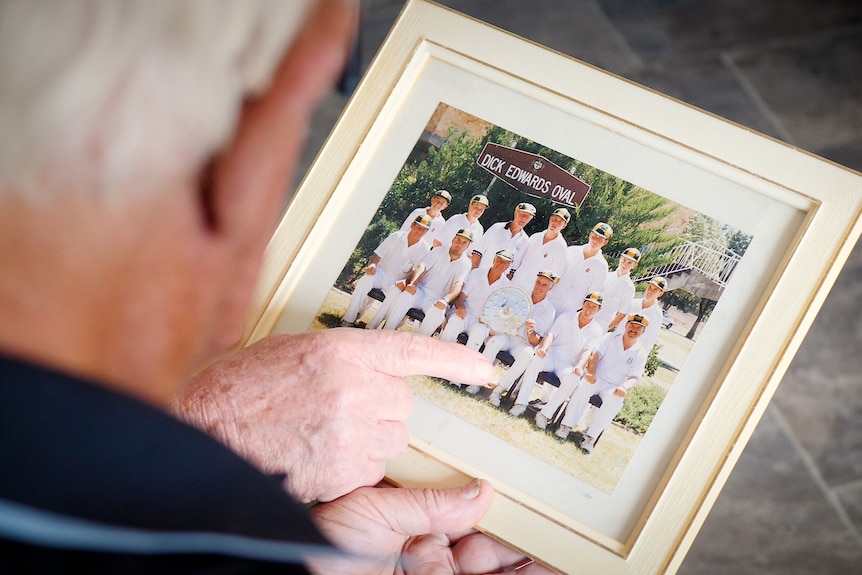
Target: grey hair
{"points": [[97, 94]]}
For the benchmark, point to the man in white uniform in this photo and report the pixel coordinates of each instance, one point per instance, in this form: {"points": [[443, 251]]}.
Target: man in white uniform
{"points": [[545, 250], [648, 306], [471, 301], [586, 270], [618, 290], [440, 200], [522, 345], [392, 260], [612, 370], [432, 285], [469, 220], [567, 346], [503, 236]]}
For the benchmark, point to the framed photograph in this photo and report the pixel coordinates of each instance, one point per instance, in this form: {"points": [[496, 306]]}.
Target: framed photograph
{"points": [[747, 234]]}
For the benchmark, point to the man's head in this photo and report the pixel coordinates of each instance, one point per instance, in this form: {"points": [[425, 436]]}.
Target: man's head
{"points": [[419, 227], [592, 304], [502, 260], [478, 205], [462, 240], [559, 219], [629, 259], [656, 288], [524, 213], [600, 235], [636, 324], [545, 280], [440, 200], [145, 151]]}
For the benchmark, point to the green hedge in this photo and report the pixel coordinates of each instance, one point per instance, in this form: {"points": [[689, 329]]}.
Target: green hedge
{"points": [[640, 406]]}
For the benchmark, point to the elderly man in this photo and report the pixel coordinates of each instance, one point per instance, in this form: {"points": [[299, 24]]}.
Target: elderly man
{"points": [[146, 151], [431, 287], [566, 346], [613, 369], [504, 236], [522, 344], [586, 269], [392, 260]]}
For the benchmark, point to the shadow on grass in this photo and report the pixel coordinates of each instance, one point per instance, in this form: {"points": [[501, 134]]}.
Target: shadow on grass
{"points": [[329, 320]]}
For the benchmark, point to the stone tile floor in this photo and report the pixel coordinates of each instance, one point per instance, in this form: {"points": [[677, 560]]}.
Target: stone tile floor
{"points": [[791, 69]]}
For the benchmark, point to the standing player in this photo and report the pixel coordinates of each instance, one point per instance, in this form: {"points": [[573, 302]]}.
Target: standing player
{"points": [[392, 260], [432, 285], [469, 220], [544, 250], [504, 236], [586, 269], [440, 200], [612, 371], [648, 306], [566, 346], [619, 290]]}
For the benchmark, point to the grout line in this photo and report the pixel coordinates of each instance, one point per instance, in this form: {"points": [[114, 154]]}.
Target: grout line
{"points": [[814, 473], [757, 99], [618, 38]]}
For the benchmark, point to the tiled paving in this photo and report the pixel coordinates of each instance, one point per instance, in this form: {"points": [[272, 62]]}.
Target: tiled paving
{"points": [[791, 69]]}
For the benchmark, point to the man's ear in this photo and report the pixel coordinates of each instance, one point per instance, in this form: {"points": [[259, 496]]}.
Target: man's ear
{"points": [[242, 188]]}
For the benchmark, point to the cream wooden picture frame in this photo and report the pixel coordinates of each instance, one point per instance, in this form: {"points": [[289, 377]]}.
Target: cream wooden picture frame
{"points": [[802, 211]]}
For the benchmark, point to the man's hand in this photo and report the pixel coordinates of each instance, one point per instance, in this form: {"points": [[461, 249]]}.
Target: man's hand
{"points": [[325, 407], [414, 532], [590, 378], [370, 270], [620, 391]]}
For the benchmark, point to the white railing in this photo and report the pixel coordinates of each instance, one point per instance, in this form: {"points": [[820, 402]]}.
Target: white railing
{"points": [[708, 257]]}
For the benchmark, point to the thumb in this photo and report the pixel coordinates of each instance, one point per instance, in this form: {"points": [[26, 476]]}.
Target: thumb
{"points": [[443, 511]]}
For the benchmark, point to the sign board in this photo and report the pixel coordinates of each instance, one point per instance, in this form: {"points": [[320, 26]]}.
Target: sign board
{"points": [[533, 174]]}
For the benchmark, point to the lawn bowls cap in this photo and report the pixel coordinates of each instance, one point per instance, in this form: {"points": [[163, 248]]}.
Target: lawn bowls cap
{"points": [[594, 297], [659, 282], [465, 233], [480, 199], [633, 254], [443, 194], [603, 230], [423, 221], [638, 319], [525, 207], [548, 274], [506, 255], [563, 213]]}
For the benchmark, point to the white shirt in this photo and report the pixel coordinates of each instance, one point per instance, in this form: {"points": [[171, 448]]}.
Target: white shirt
{"points": [[441, 273], [433, 231], [539, 255], [455, 223], [397, 258], [581, 277], [477, 289], [618, 292], [496, 238], [616, 364], [570, 339]]}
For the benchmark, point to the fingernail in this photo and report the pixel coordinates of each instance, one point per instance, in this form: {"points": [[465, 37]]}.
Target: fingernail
{"points": [[472, 489]]}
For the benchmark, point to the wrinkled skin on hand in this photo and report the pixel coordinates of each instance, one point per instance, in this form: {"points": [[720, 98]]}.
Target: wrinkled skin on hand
{"points": [[415, 532], [325, 407]]}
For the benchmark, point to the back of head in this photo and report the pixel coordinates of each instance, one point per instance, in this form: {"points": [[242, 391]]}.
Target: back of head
{"points": [[97, 95]]}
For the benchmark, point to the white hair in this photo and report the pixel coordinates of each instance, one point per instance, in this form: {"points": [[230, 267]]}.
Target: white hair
{"points": [[96, 95]]}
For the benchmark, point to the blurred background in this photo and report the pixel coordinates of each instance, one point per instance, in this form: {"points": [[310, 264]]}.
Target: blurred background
{"points": [[791, 69]]}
